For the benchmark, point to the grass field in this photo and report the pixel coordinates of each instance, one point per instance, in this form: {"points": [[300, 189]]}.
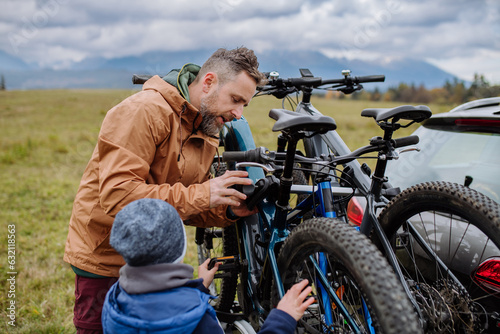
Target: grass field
{"points": [[46, 139]]}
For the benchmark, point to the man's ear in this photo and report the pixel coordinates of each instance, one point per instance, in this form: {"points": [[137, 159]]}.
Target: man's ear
{"points": [[209, 81]]}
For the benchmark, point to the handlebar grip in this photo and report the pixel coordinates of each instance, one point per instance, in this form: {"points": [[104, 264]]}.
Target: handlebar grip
{"points": [[406, 141], [140, 79], [305, 81], [239, 156], [370, 78]]}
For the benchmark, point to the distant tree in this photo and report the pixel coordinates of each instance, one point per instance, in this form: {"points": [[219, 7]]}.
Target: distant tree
{"points": [[376, 95], [388, 96], [459, 94], [392, 94], [407, 93], [480, 88], [329, 95], [422, 95], [452, 92], [2, 83], [440, 95]]}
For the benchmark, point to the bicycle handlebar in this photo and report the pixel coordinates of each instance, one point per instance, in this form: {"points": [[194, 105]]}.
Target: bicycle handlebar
{"points": [[259, 155], [140, 79], [406, 141], [315, 82]]}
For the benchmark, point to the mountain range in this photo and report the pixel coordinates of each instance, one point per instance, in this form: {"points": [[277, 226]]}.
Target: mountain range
{"points": [[99, 72]]}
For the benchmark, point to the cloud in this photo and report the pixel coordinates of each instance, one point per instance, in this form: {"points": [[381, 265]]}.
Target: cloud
{"points": [[56, 32]]}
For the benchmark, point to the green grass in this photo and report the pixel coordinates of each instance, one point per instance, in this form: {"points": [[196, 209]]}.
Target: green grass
{"points": [[46, 139]]}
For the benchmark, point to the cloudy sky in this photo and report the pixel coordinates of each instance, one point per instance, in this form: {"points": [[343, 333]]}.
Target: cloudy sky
{"points": [[460, 36]]}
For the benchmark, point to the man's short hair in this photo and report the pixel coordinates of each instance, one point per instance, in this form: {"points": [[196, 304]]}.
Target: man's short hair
{"points": [[227, 64]]}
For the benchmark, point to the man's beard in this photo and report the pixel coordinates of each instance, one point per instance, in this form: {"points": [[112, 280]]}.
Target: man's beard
{"points": [[210, 124]]}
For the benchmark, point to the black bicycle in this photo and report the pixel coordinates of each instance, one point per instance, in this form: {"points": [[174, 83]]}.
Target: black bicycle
{"points": [[422, 231], [427, 226]]}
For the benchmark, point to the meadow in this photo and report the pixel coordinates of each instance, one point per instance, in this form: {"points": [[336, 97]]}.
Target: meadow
{"points": [[46, 139]]}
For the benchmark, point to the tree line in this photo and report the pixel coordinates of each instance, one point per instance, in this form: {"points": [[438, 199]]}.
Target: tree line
{"points": [[454, 92]]}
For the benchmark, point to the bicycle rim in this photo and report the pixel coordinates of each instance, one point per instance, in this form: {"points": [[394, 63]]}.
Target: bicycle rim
{"points": [[462, 228]]}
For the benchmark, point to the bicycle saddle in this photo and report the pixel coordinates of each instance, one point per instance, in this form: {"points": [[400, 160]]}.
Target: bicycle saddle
{"points": [[287, 120], [418, 113]]}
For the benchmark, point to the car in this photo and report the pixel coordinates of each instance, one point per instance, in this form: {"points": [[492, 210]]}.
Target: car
{"points": [[461, 146]]}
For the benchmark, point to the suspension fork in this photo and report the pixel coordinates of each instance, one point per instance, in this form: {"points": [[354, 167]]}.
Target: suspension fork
{"points": [[322, 282], [327, 210]]}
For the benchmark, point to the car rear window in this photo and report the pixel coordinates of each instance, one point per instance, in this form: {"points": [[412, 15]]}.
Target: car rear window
{"points": [[450, 156]]}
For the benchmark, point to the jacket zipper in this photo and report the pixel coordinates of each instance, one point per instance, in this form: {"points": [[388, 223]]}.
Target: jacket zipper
{"points": [[180, 126]]}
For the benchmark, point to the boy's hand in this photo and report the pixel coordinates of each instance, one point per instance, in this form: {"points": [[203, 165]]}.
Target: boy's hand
{"points": [[293, 301], [206, 274]]}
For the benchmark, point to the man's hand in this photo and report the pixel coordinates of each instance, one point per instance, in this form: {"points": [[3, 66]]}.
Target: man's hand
{"points": [[222, 194], [293, 301], [207, 275], [243, 211]]}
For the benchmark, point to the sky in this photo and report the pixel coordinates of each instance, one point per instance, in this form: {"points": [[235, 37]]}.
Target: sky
{"points": [[460, 36]]}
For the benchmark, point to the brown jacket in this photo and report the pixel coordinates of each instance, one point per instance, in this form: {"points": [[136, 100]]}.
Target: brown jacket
{"points": [[148, 146]]}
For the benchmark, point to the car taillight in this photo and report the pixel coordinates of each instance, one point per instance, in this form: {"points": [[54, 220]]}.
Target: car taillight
{"points": [[355, 212], [477, 122], [487, 275]]}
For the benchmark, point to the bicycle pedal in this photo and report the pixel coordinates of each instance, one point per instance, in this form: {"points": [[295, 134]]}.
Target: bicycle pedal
{"points": [[226, 262]]}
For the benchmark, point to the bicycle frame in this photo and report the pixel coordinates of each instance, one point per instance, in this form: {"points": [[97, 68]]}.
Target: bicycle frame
{"points": [[332, 142], [273, 219]]}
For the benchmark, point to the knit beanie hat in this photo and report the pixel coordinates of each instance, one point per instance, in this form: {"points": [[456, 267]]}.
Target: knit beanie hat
{"points": [[149, 231]]}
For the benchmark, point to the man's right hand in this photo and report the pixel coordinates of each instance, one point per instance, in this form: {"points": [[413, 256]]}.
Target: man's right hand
{"points": [[221, 192]]}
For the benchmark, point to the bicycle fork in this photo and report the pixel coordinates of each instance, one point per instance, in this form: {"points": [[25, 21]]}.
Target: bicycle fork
{"points": [[330, 298]]}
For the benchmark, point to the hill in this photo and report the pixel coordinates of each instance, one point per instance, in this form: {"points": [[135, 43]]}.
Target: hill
{"points": [[98, 72]]}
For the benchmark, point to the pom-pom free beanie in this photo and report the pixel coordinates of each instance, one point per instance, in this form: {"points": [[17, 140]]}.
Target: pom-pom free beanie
{"points": [[149, 231]]}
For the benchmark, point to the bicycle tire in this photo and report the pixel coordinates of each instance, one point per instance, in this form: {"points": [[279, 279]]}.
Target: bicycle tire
{"points": [[447, 216], [355, 268], [300, 178], [220, 242]]}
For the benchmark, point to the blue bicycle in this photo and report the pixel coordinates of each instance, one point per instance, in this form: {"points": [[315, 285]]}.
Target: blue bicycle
{"points": [[263, 255]]}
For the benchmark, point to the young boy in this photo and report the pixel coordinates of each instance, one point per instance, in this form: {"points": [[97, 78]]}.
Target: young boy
{"points": [[156, 293]]}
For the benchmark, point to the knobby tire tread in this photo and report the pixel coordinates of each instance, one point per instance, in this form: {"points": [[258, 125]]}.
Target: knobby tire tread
{"points": [[482, 211]]}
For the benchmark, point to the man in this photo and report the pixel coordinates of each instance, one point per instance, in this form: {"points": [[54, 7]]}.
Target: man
{"points": [[158, 143]]}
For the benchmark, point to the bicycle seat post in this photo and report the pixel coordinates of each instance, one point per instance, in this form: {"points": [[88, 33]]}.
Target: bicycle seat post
{"points": [[286, 179]]}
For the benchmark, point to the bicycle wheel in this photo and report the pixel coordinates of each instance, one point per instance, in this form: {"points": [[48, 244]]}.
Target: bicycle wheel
{"points": [[462, 227], [219, 242], [355, 272]]}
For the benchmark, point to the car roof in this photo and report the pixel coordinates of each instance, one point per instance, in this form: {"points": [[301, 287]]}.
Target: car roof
{"points": [[476, 116]]}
